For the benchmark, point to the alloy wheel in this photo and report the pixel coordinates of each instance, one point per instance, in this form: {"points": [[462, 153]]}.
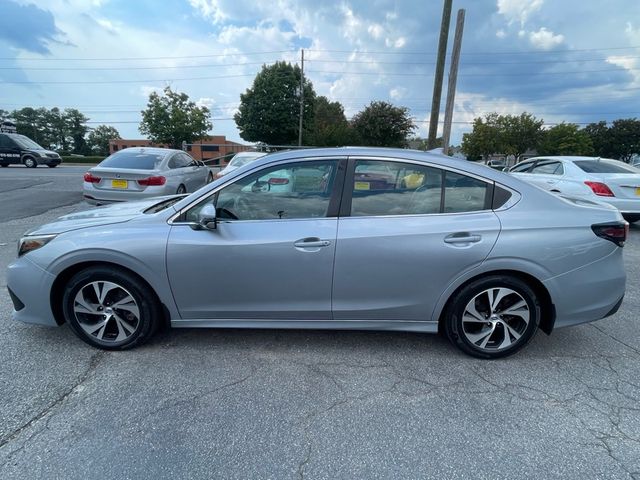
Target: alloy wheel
{"points": [[106, 311], [495, 319]]}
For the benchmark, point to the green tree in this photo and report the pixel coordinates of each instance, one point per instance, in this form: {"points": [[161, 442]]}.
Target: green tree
{"points": [[519, 133], [381, 124], [4, 115], [625, 138], [330, 127], [484, 139], [269, 111], [600, 139], [75, 130], [98, 140], [565, 139], [171, 118], [32, 123]]}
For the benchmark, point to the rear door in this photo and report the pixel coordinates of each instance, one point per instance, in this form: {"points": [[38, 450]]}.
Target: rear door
{"points": [[402, 241], [9, 151]]}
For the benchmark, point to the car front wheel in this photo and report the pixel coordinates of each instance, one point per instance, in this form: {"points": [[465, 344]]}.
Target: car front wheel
{"points": [[493, 317], [110, 308], [30, 162]]}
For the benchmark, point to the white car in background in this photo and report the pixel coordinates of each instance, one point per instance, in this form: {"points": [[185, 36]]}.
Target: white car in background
{"points": [[239, 160], [593, 178]]}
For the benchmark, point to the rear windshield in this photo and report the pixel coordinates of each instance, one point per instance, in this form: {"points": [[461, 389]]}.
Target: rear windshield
{"points": [[604, 166], [134, 160], [240, 160]]}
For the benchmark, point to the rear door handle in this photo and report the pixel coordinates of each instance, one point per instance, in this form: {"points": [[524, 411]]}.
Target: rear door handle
{"points": [[462, 237], [311, 242]]}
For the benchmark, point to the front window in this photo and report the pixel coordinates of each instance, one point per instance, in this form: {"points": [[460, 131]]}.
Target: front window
{"points": [[295, 191]]}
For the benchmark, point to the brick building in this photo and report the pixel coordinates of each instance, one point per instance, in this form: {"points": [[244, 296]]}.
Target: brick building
{"points": [[215, 148]]}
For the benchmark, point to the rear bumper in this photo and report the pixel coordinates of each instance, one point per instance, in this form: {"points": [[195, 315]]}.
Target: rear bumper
{"points": [[96, 196], [589, 293], [30, 290]]}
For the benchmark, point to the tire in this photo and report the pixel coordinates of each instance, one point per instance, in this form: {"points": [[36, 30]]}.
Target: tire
{"points": [[30, 162], [631, 217], [181, 189], [484, 332], [4, 165], [98, 322], [209, 178], [52, 165]]}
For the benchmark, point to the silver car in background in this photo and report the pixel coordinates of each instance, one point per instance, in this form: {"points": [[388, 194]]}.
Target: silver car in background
{"points": [[239, 160], [137, 173], [598, 179], [361, 238]]}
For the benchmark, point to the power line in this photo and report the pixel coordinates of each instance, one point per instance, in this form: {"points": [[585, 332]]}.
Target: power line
{"points": [[521, 52], [82, 59]]}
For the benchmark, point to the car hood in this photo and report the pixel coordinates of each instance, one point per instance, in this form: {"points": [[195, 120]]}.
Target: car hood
{"points": [[116, 213]]}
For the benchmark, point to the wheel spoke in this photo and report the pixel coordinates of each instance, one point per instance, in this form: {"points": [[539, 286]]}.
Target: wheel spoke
{"points": [[519, 309], [91, 329], [128, 328], [516, 336], [102, 288], [482, 337], [507, 338], [81, 305], [496, 298], [128, 304], [472, 315]]}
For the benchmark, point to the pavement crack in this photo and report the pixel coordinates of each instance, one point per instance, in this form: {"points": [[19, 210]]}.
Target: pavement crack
{"points": [[94, 361], [630, 347]]}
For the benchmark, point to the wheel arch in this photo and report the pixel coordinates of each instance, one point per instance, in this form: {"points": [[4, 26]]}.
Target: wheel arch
{"points": [[63, 277], [547, 308]]}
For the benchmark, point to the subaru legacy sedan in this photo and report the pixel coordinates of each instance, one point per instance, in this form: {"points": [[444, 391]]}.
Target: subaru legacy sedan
{"points": [[136, 173], [441, 245]]}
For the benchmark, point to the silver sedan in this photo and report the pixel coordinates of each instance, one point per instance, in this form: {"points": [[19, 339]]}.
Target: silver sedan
{"points": [[136, 173], [363, 239]]}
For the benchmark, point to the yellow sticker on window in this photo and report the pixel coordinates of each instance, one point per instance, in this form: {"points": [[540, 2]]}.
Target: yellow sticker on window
{"points": [[362, 186]]}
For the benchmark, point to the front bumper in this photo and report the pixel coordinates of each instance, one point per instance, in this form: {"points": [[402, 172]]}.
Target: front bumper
{"points": [[30, 286], [48, 161]]}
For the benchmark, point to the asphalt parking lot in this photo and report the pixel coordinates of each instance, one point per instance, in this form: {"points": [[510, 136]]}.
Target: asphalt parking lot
{"points": [[307, 404]]}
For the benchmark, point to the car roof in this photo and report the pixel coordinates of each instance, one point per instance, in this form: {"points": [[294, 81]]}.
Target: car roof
{"points": [[380, 152], [153, 150], [568, 158]]}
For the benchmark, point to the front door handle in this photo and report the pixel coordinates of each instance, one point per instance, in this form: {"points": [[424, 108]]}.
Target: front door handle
{"points": [[311, 242], [462, 237]]}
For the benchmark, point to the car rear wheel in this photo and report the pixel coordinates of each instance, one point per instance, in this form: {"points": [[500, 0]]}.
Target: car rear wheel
{"points": [[210, 177], [493, 317], [30, 162], [4, 165], [110, 308], [181, 189]]}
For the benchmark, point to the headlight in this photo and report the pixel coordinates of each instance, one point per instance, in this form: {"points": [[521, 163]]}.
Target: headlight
{"points": [[27, 244]]}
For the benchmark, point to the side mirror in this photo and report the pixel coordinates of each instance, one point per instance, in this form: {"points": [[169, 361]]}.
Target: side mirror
{"points": [[260, 186], [207, 219]]}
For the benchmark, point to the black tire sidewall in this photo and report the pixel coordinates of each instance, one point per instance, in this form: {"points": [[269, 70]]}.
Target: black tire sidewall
{"points": [[453, 319], [181, 189], [142, 294]]}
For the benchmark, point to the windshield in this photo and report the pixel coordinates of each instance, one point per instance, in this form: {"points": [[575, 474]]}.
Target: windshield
{"points": [[25, 142], [134, 160], [604, 166]]}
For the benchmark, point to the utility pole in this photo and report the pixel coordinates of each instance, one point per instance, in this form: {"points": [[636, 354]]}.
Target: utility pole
{"points": [[453, 78], [437, 82], [301, 96]]}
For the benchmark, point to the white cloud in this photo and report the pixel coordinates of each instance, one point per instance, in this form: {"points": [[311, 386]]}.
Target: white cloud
{"points": [[518, 10], [210, 9], [545, 39], [205, 102], [631, 64], [398, 93], [146, 90], [375, 30], [633, 34], [501, 33]]}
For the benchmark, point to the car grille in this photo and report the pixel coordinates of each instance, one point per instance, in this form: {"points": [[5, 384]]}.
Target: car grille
{"points": [[52, 155]]}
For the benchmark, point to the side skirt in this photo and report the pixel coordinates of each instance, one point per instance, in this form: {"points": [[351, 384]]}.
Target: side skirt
{"points": [[380, 325]]}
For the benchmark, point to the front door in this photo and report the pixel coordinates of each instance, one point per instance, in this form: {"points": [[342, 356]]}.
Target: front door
{"points": [[271, 255]]}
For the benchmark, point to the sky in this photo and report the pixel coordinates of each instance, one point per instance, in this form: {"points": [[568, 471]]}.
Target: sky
{"points": [[561, 60]]}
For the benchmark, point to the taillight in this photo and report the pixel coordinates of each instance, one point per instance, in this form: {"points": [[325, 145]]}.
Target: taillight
{"points": [[614, 232], [600, 189], [152, 181], [90, 178]]}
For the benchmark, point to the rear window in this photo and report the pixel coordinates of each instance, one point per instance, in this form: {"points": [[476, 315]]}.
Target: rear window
{"points": [[604, 166], [133, 160]]}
